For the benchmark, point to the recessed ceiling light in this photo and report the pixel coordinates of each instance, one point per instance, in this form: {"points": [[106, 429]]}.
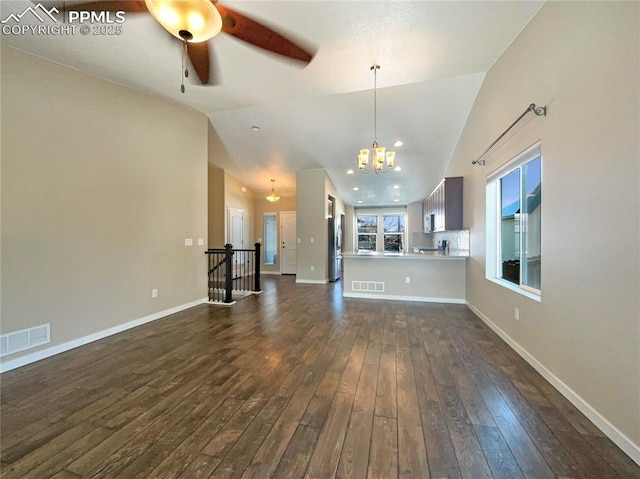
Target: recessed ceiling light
{"points": [[355, 188], [349, 172], [398, 143], [397, 168], [396, 200], [255, 128], [395, 187], [359, 201]]}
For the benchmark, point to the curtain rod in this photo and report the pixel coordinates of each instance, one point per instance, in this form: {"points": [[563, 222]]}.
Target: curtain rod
{"points": [[539, 111]]}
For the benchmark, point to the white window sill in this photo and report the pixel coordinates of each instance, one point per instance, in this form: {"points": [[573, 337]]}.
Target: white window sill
{"points": [[517, 289]]}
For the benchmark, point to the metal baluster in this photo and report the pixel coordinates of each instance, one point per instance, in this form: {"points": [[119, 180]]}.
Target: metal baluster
{"points": [[256, 280]]}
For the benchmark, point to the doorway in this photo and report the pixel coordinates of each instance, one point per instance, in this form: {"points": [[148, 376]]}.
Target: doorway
{"points": [[288, 262]]}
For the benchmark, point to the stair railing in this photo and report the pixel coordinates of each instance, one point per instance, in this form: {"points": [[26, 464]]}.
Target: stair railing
{"points": [[232, 270]]}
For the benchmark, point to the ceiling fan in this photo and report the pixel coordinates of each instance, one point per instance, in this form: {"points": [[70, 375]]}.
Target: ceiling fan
{"points": [[194, 22]]}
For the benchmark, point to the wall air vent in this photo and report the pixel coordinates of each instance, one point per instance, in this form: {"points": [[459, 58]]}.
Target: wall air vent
{"points": [[25, 339], [368, 286]]}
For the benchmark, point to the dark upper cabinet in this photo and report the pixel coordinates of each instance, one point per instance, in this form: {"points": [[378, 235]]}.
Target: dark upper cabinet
{"points": [[443, 208]]}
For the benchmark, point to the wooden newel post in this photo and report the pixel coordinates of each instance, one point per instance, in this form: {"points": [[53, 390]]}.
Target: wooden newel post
{"points": [[228, 285], [256, 286]]}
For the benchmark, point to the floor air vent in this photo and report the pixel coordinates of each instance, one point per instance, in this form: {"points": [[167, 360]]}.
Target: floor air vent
{"points": [[368, 286], [27, 338]]}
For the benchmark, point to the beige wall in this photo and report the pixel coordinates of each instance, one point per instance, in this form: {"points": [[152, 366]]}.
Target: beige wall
{"points": [[313, 188], [100, 187], [216, 218], [234, 197], [581, 60], [311, 207]]}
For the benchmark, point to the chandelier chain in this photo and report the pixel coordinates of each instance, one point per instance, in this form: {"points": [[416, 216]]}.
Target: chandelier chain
{"points": [[375, 105]]}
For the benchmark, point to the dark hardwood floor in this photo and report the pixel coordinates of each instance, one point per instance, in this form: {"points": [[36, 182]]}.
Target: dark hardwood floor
{"points": [[298, 382]]}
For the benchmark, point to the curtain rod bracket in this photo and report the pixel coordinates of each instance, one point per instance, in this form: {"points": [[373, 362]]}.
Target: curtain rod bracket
{"points": [[537, 110]]}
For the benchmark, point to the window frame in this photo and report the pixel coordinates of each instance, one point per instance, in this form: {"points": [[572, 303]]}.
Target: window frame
{"points": [[368, 233], [380, 233], [493, 265], [400, 233]]}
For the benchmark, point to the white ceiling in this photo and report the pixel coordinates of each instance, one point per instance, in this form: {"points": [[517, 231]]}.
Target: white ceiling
{"points": [[433, 57]]}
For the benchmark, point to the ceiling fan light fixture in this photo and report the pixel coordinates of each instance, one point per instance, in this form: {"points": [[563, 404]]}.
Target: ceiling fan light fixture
{"points": [[189, 20]]}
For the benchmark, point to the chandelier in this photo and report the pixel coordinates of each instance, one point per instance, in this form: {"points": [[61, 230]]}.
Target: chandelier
{"points": [[378, 152], [272, 197]]}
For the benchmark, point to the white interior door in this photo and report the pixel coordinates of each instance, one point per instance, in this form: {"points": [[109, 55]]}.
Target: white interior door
{"points": [[288, 242], [235, 237], [235, 227]]}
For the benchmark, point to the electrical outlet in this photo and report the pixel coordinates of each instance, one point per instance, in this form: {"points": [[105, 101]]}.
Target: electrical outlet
{"points": [[516, 314], [407, 280], [312, 268], [154, 293], [312, 240]]}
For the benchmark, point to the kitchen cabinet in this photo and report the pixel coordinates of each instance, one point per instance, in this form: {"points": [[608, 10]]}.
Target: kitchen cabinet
{"points": [[443, 208]]}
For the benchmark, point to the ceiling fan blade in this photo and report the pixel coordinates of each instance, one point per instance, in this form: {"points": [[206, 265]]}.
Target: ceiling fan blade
{"points": [[252, 32], [128, 6], [200, 59]]}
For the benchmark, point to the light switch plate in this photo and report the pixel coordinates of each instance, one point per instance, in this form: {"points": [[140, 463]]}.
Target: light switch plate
{"points": [[188, 241], [200, 241]]}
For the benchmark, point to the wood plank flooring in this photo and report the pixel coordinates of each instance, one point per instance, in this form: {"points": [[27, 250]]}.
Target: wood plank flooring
{"points": [[298, 383]]}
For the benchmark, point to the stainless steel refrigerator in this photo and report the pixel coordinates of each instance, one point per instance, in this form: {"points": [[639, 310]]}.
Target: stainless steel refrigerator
{"points": [[335, 248]]}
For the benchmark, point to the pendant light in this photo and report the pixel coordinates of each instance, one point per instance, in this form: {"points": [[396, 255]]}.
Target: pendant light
{"points": [[272, 197], [380, 158]]}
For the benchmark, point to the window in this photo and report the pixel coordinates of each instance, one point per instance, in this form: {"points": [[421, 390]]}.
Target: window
{"points": [[393, 233], [270, 238], [381, 229], [514, 234], [367, 232]]}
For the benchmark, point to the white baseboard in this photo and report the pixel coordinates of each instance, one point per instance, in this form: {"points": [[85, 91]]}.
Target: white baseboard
{"points": [[312, 281], [613, 433], [395, 297], [61, 348]]}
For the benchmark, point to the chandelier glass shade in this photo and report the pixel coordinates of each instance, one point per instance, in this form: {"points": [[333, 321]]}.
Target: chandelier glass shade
{"points": [[272, 197], [380, 157]]}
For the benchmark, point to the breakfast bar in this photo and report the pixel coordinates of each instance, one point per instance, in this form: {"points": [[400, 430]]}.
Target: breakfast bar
{"points": [[429, 276]]}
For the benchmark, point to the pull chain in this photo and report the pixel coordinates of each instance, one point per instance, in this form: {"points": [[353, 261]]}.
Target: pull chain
{"points": [[185, 70]]}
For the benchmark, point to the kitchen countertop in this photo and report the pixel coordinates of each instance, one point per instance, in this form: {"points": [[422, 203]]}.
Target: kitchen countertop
{"points": [[425, 255]]}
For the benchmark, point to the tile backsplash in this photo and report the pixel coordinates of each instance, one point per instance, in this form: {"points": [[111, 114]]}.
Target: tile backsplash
{"points": [[458, 240]]}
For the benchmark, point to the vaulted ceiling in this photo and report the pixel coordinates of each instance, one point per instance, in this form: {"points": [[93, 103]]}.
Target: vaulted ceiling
{"points": [[433, 57]]}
